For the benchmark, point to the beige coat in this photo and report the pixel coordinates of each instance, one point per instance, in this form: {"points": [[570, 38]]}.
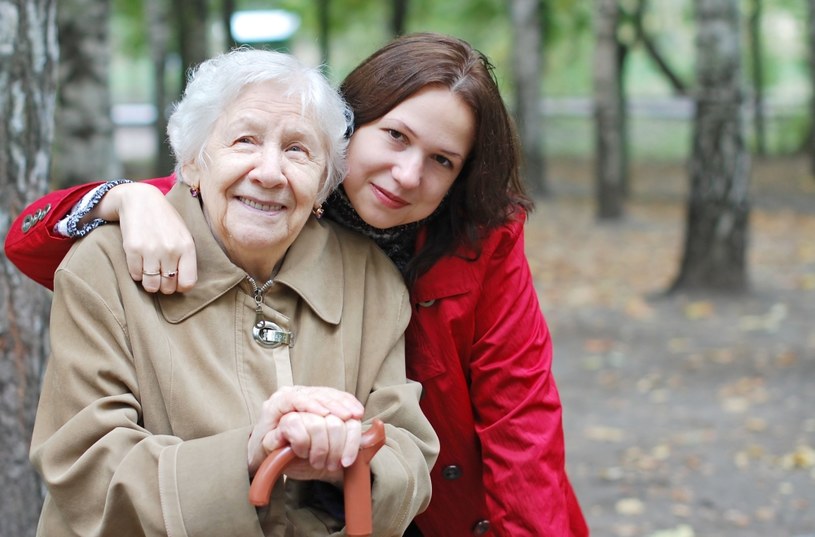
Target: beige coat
{"points": [[148, 400]]}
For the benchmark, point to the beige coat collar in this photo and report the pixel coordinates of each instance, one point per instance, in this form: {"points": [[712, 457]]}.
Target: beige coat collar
{"points": [[312, 267]]}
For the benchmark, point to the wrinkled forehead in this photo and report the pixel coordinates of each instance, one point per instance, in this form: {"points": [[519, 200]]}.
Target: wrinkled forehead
{"points": [[269, 106]]}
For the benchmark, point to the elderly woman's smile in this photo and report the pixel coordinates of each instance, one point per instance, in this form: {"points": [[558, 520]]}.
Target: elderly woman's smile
{"points": [[260, 206], [265, 164]]}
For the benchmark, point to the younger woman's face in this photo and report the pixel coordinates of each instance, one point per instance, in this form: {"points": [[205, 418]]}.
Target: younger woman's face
{"points": [[402, 164]]}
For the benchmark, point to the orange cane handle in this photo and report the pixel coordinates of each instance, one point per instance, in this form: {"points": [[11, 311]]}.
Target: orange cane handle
{"points": [[357, 483], [356, 486], [267, 475]]}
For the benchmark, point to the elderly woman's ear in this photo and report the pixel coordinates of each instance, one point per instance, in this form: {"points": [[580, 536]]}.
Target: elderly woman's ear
{"points": [[188, 174]]}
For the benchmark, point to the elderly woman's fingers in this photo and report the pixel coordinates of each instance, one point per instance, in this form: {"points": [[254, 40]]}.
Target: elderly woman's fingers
{"points": [[326, 442], [353, 437], [332, 441], [319, 400]]}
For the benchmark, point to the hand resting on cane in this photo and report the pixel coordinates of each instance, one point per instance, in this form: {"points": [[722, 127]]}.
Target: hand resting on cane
{"points": [[322, 425]]}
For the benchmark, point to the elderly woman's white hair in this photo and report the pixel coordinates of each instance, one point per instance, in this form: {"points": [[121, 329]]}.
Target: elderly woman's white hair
{"points": [[216, 82]]}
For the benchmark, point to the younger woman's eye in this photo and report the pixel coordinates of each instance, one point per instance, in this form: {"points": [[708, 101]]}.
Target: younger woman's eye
{"points": [[444, 161]]}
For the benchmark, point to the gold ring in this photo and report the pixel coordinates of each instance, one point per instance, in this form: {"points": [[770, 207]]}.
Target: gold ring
{"points": [[171, 274], [147, 273]]}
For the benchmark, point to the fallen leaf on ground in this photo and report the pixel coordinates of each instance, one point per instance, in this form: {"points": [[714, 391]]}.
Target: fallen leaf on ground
{"points": [[802, 457], [683, 530], [630, 506], [700, 309], [604, 434]]}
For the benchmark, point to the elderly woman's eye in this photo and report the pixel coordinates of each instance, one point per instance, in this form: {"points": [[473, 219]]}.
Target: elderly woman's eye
{"points": [[244, 140], [298, 148]]}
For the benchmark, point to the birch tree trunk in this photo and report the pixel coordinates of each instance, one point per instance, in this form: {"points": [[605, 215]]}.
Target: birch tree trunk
{"points": [[527, 67], [608, 113], [757, 62], [28, 78], [811, 43], [83, 142], [718, 206]]}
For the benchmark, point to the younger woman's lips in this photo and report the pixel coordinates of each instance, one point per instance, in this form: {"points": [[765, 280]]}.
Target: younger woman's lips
{"points": [[388, 199]]}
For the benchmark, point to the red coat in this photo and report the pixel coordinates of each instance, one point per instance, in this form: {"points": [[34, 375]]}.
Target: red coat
{"points": [[478, 343]]}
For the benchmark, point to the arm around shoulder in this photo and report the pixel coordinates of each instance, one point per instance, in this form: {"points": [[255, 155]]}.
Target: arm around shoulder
{"points": [[32, 243]]}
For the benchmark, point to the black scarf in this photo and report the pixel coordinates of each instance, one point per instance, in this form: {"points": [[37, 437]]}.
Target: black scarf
{"points": [[398, 242]]}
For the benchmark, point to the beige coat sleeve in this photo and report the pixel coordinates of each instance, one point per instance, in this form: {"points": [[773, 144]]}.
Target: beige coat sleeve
{"points": [[105, 473]]}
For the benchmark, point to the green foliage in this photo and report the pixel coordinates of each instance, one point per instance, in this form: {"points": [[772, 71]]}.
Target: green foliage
{"points": [[128, 33], [566, 20]]}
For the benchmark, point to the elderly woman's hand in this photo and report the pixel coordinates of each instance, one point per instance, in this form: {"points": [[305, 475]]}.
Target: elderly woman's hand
{"points": [[321, 424]]}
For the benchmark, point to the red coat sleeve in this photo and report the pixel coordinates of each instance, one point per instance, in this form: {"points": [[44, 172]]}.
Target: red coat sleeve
{"points": [[31, 243], [517, 405]]}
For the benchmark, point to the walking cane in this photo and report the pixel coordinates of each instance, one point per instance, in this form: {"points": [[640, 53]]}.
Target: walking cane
{"points": [[356, 483]]}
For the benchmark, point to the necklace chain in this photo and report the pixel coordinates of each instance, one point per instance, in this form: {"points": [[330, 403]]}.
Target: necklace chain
{"points": [[257, 292], [267, 333]]}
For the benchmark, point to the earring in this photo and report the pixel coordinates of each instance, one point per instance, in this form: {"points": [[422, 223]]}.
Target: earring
{"points": [[318, 211], [194, 191]]}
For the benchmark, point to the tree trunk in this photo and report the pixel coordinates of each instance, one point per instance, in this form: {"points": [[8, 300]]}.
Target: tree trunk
{"points": [[527, 67], [622, 94], [83, 142], [28, 79], [323, 23], [811, 48], [159, 37], [608, 113], [191, 17], [758, 76], [718, 207], [228, 8], [399, 17]]}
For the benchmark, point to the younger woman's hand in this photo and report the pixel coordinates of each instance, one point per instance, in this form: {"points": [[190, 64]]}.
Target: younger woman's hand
{"points": [[159, 248]]}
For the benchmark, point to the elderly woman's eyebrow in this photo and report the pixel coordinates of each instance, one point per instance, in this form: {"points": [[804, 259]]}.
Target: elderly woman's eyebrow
{"points": [[302, 127]]}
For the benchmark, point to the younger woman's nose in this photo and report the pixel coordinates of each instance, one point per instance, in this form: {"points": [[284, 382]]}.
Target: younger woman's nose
{"points": [[408, 169]]}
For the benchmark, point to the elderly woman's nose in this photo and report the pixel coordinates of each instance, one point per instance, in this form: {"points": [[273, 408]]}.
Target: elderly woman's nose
{"points": [[269, 166], [408, 169]]}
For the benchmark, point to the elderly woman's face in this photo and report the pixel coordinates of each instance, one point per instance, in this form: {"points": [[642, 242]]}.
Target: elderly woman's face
{"points": [[266, 164]]}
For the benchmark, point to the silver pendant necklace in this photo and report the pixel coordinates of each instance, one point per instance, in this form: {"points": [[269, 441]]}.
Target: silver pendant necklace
{"points": [[264, 331]]}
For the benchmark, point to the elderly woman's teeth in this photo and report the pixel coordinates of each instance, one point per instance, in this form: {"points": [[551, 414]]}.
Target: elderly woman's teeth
{"points": [[259, 206]]}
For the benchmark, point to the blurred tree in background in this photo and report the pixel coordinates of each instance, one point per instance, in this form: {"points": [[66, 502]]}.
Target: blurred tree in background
{"points": [[718, 203], [28, 82], [83, 141]]}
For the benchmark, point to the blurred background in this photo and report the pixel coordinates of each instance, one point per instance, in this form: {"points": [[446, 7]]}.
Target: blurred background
{"points": [[669, 146]]}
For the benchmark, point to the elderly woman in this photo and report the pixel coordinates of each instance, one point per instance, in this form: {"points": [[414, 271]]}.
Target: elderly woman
{"points": [[157, 410]]}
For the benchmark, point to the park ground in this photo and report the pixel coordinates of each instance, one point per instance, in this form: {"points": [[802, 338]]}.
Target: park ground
{"points": [[685, 416]]}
